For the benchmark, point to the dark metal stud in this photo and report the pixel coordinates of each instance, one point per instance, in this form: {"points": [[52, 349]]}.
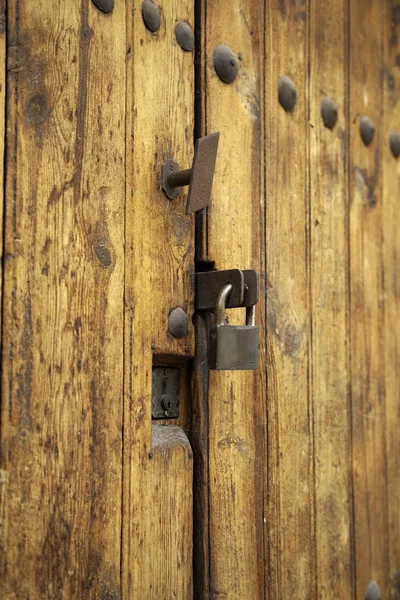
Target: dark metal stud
{"points": [[329, 112], [184, 36], [395, 143], [373, 591], [287, 93], [225, 64], [367, 130], [178, 323], [151, 15], [105, 5]]}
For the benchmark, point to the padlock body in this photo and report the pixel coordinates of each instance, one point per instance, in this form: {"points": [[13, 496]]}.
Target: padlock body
{"points": [[233, 347]]}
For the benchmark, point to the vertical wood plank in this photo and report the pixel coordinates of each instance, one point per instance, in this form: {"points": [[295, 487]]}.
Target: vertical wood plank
{"points": [[289, 483], [329, 299], [236, 421], [159, 261], [61, 417], [367, 299], [391, 244], [3, 71]]}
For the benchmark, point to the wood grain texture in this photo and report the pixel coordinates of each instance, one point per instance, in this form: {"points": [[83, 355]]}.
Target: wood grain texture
{"points": [[367, 306], [289, 509], [236, 406], [3, 75], [61, 412], [391, 245], [159, 267], [329, 266]]}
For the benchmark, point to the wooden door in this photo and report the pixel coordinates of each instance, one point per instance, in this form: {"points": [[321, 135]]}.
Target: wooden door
{"points": [[282, 483]]}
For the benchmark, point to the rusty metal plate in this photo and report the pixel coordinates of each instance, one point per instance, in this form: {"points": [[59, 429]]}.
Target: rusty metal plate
{"points": [[202, 175], [165, 397], [250, 288], [209, 285]]}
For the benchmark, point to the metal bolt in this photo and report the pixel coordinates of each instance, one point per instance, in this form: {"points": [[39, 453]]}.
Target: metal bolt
{"points": [[151, 15], [184, 36], [373, 591], [151, 454], [329, 112], [367, 130], [395, 143], [104, 5], [178, 323], [225, 64], [287, 93]]}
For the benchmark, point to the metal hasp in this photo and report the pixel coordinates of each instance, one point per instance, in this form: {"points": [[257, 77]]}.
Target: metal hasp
{"points": [[233, 347], [199, 178], [165, 397], [208, 285]]}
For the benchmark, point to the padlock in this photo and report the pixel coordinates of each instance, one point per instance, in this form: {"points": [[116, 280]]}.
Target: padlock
{"points": [[232, 347]]}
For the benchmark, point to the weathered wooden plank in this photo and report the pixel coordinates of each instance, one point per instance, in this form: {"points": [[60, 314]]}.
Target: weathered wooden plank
{"points": [[367, 299], [236, 421], [329, 298], [289, 483], [2, 124], [391, 245], [62, 357], [159, 266]]}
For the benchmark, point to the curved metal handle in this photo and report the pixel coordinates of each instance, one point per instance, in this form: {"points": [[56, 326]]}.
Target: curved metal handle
{"points": [[199, 178]]}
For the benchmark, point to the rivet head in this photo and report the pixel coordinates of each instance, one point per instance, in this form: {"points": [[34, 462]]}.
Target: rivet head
{"points": [[367, 130], [178, 323], [329, 112], [373, 591], [395, 143], [184, 36], [287, 93], [225, 64], [105, 5], [151, 15]]}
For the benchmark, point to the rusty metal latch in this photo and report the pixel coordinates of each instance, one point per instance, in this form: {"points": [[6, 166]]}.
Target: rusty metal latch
{"points": [[199, 178]]}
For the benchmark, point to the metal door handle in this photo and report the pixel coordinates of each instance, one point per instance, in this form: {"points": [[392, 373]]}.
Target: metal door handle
{"points": [[199, 178]]}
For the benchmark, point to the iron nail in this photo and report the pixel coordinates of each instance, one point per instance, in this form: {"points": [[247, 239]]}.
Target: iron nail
{"points": [[367, 130], [329, 112], [151, 454], [105, 6], [151, 15], [373, 591], [395, 143], [184, 36], [225, 64], [178, 323], [287, 93]]}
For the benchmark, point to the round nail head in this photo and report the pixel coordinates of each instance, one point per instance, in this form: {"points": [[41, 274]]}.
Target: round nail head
{"points": [[225, 64], [184, 36], [151, 15], [367, 130], [105, 6], [395, 143], [287, 93], [329, 112], [373, 591], [178, 323]]}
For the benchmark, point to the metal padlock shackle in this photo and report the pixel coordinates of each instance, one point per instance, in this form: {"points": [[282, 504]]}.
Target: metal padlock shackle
{"points": [[220, 308]]}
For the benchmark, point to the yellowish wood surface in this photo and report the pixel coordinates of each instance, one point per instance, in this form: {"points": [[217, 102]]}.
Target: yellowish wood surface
{"points": [[391, 237], [235, 240], [371, 549], [63, 302], [159, 267], [329, 267], [289, 529]]}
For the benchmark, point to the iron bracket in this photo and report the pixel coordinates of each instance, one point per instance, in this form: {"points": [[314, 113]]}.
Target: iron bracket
{"points": [[209, 284]]}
